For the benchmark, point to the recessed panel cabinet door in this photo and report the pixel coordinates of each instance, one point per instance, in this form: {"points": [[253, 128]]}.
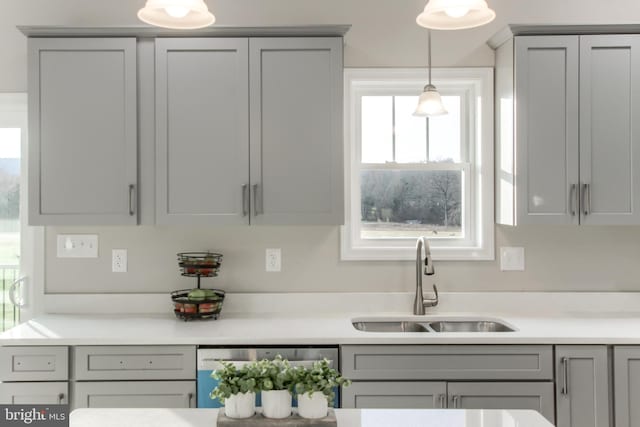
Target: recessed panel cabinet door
{"points": [[582, 386], [202, 131], [610, 129], [296, 131], [395, 395], [546, 86], [83, 131], [134, 394], [34, 393], [627, 386], [503, 395]]}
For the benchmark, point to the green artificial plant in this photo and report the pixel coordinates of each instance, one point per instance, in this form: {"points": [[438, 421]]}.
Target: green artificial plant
{"points": [[320, 377], [233, 380]]}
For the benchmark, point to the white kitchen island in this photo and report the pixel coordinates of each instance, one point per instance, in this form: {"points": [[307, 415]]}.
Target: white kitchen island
{"points": [[346, 418]]}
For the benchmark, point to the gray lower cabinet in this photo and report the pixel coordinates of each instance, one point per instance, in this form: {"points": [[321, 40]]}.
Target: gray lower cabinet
{"points": [[134, 394], [582, 386], [538, 396], [468, 395], [395, 394], [82, 131], [627, 386], [34, 393]]}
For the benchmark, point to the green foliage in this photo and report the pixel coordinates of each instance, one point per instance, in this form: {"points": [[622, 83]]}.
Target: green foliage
{"points": [[233, 380], [320, 377], [275, 374]]}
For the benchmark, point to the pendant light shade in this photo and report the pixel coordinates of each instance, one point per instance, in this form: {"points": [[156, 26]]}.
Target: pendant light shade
{"points": [[176, 14], [430, 102], [455, 14]]}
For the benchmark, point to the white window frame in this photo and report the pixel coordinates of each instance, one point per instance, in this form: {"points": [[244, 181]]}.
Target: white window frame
{"points": [[477, 86]]}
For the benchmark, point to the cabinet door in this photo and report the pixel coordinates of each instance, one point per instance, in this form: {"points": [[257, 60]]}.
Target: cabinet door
{"points": [[496, 395], [582, 386], [546, 97], [49, 393], [627, 386], [296, 131], [378, 394], [610, 129], [202, 131], [82, 131], [134, 394]]}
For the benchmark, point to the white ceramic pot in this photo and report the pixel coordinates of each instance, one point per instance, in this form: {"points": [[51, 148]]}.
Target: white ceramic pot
{"points": [[314, 406], [276, 403], [241, 405]]}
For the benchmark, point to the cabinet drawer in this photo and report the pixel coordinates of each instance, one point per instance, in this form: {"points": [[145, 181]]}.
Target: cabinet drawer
{"points": [[49, 393], [34, 363], [134, 394], [134, 362], [395, 395], [450, 362]]}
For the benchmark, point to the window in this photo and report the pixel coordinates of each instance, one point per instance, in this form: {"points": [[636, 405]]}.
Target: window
{"points": [[407, 176]]}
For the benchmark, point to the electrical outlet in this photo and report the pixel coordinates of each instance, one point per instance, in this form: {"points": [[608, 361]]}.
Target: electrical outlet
{"points": [[512, 259], [77, 246], [274, 260], [119, 260]]}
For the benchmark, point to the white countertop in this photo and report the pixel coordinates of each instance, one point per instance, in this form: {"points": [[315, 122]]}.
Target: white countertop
{"points": [[345, 418], [316, 319], [270, 329]]}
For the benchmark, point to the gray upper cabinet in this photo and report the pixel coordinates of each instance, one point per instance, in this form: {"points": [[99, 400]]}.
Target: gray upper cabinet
{"points": [[569, 126], [546, 93], [582, 386], [202, 131], [610, 129], [627, 386], [296, 130], [83, 131]]}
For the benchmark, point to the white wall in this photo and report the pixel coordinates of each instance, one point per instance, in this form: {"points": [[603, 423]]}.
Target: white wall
{"points": [[384, 33]]}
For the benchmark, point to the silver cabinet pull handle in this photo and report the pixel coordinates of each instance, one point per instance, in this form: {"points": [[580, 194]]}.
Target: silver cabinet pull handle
{"points": [[456, 401], [131, 193], [245, 199], [441, 398], [255, 200], [60, 398], [586, 199], [573, 199], [190, 397], [565, 376], [15, 300]]}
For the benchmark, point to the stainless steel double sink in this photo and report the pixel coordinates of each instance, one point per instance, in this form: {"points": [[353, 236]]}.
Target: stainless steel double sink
{"points": [[433, 325]]}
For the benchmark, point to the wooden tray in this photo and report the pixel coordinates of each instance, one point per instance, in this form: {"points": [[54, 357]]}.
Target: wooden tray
{"points": [[294, 420]]}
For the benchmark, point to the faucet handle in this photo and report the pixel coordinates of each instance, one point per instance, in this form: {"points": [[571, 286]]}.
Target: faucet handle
{"points": [[432, 302]]}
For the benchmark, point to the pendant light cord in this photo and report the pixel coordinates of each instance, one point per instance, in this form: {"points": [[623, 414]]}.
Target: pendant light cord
{"points": [[429, 53]]}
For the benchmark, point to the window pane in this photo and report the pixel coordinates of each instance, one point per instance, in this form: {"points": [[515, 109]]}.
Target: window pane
{"points": [[411, 132], [411, 203], [9, 197], [444, 132], [377, 129]]}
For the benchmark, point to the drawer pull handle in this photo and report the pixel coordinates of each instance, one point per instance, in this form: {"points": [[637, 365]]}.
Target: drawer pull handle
{"points": [[190, 397], [132, 211], [564, 390], [60, 398], [456, 401]]}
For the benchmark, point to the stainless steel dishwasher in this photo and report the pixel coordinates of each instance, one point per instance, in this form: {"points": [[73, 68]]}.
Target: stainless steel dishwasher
{"points": [[209, 360]]}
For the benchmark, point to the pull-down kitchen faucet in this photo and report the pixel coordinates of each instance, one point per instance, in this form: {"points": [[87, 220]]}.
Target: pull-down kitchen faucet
{"points": [[419, 303]]}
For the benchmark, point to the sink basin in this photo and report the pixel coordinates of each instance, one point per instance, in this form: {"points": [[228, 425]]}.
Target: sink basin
{"points": [[469, 326], [430, 325], [401, 326]]}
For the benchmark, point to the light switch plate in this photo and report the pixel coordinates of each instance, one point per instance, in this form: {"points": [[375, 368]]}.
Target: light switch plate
{"points": [[511, 258], [77, 246]]}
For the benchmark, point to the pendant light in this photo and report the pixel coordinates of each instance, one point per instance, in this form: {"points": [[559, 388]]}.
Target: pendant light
{"points": [[455, 14], [176, 14], [430, 102]]}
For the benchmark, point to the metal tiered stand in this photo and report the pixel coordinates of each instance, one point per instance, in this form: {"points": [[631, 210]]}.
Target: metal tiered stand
{"points": [[198, 303]]}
